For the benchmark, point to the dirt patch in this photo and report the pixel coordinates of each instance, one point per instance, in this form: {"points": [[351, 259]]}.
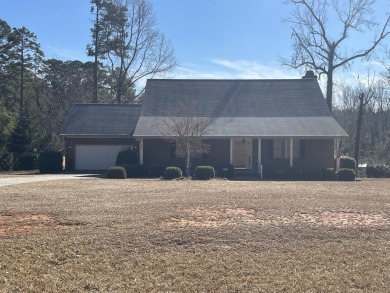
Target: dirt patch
{"points": [[214, 219], [27, 223]]}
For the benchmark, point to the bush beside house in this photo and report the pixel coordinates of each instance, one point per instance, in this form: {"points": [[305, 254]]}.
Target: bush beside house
{"points": [[204, 173], [116, 173], [346, 174], [172, 173], [50, 162], [378, 171]]}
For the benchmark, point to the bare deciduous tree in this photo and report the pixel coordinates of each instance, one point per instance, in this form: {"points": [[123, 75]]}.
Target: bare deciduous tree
{"points": [[314, 45], [187, 132], [135, 49]]}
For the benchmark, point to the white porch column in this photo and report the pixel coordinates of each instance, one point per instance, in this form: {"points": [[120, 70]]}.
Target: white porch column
{"points": [[231, 151], [141, 151], [259, 166], [291, 151]]}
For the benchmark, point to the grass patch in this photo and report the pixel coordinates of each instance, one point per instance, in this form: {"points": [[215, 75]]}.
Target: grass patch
{"points": [[180, 236]]}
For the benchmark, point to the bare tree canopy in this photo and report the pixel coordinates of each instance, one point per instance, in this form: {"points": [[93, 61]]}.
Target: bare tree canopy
{"points": [[130, 43], [315, 46], [187, 132]]}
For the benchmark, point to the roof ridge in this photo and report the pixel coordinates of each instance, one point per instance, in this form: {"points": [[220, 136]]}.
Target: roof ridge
{"points": [[106, 104], [230, 80]]}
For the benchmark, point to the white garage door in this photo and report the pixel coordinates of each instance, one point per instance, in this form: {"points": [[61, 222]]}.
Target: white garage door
{"points": [[96, 157]]}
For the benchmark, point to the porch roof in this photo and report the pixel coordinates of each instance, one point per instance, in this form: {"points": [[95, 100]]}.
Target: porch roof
{"points": [[266, 127]]}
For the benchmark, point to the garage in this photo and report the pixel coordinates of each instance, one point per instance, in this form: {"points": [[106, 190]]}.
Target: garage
{"points": [[96, 157]]}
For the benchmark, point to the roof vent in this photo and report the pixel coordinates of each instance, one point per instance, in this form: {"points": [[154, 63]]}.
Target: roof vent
{"points": [[309, 75]]}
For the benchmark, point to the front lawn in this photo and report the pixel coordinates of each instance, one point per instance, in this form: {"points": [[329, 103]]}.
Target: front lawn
{"points": [[195, 236]]}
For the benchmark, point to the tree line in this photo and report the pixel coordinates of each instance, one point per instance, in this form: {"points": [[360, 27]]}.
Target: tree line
{"points": [[36, 92]]}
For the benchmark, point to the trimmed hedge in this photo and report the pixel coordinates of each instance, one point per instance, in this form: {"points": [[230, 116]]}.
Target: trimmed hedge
{"points": [[116, 173], [130, 170], [50, 162], [27, 161], [204, 173], [126, 156], [135, 171], [328, 174], [346, 174], [347, 163], [378, 171], [172, 173]]}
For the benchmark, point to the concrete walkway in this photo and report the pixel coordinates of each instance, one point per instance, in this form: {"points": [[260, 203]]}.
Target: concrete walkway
{"points": [[19, 179]]}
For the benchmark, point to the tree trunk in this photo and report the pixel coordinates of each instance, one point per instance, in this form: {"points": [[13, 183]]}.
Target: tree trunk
{"points": [[329, 89], [188, 161], [21, 100], [119, 93], [359, 129], [95, 65]]}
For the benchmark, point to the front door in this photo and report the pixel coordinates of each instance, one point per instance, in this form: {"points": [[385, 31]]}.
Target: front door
{"points": [[242, 153]]}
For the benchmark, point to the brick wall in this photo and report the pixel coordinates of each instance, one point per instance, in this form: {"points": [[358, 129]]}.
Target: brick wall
{"points": [[318, 154], [161, 153]]}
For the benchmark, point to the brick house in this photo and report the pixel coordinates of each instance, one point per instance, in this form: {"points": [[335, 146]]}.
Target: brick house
{"points": [[254, 125]]}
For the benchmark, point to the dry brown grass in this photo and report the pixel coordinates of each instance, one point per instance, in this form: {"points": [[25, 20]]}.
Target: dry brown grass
{"points": [[194, 236]]}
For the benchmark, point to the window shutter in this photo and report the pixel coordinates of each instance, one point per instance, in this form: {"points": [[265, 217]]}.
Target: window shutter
{"points": [[302, 149], [271, 148]]}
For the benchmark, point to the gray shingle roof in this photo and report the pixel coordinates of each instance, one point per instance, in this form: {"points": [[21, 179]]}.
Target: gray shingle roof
{"points": [[236, 98], [101, 119], [241, 108]]}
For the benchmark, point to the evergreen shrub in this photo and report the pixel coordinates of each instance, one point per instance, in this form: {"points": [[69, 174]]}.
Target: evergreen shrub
{"points": [[130, 170], [378, 171], [204, 173], [347, 163], [172, 173], [27, 161], [328, 174], [117, 172], [126, 156], [6, 160], [50, 162], [346, 174]]}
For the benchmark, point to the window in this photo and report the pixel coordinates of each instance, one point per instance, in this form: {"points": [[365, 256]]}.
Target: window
{"points": [[281, 149]]}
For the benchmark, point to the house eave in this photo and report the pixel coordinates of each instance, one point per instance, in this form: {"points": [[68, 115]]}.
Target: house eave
{"points": [[96, 136]]}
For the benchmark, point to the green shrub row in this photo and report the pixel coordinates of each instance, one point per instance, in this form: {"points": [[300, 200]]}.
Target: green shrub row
{"points": [[378, 171]]}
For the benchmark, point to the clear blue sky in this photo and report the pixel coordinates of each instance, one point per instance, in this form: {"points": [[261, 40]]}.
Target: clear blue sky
{"points": [[211, 38]]}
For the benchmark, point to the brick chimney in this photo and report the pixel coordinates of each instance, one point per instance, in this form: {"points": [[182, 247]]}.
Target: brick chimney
{"points": [[309, 75]]}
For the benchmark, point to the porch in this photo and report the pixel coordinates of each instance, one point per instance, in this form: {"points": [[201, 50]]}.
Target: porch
{"points": [[265, 156]]}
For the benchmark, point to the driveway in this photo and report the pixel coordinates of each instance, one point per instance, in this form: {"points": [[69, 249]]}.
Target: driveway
{"points": [[19, 179]]}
